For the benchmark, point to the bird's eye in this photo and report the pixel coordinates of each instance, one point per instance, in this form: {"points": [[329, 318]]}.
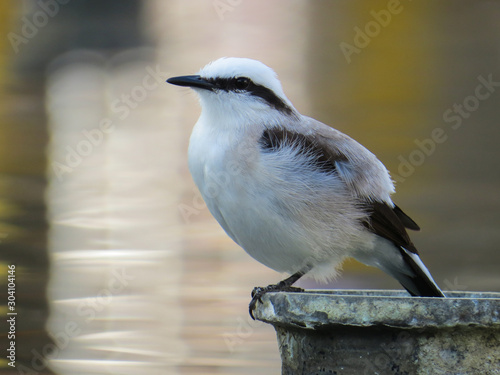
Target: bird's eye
{"points": [[242, 83]]}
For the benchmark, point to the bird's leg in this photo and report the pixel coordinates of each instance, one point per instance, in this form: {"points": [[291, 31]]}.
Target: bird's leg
{"points": [[282, 286]]}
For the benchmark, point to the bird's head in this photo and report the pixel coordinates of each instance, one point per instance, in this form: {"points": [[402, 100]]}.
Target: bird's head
{"points": [[238, 87]]}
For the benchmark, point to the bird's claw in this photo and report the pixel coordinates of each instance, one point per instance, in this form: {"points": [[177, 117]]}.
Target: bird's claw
{"points": [[258, 292]]}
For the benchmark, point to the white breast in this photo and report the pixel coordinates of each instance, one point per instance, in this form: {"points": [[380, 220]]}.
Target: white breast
{"points": [[270, 204]]}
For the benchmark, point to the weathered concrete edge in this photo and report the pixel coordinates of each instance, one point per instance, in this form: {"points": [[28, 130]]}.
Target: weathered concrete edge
{"points": [[321, 309]]}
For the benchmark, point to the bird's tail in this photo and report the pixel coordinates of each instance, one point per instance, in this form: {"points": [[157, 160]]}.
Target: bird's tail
{"points": [[404, 265], [417, 279]]}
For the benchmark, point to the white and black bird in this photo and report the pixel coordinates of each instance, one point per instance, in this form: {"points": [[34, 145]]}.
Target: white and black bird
{"points": [[294, 193]]}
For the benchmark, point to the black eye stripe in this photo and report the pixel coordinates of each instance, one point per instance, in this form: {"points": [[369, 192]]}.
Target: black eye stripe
{"points": [[234, 84], [229, 84]]}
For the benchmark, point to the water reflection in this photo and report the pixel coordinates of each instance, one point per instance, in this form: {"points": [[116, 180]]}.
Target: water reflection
{"points": [[116, 270]]}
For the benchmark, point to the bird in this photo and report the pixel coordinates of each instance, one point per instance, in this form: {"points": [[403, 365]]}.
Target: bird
{"points": [[297, 195]]}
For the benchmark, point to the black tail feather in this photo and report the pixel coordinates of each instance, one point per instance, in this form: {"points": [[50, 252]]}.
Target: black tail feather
{"points": [[420, 283]]}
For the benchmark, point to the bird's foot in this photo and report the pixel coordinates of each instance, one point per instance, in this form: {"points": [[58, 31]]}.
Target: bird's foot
{"points": [[258, 292]]}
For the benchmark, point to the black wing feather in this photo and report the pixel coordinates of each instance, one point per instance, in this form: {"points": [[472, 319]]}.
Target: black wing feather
{"points": [[389, 223], [405, 219]]}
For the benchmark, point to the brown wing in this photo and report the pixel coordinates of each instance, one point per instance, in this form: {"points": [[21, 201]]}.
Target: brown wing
{"points": [[322, 156], [385, 221]]}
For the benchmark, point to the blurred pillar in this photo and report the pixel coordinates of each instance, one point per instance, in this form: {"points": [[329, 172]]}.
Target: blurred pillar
{"points": [[22, 210], [373, 81], [113, 238], [115, 264], [376, 54]]}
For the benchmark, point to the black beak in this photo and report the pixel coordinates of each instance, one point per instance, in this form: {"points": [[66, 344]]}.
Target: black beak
{"points": [[191, 81]]}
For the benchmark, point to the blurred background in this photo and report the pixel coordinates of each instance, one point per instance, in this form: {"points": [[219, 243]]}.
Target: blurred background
{"points": [[120, 269]]}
